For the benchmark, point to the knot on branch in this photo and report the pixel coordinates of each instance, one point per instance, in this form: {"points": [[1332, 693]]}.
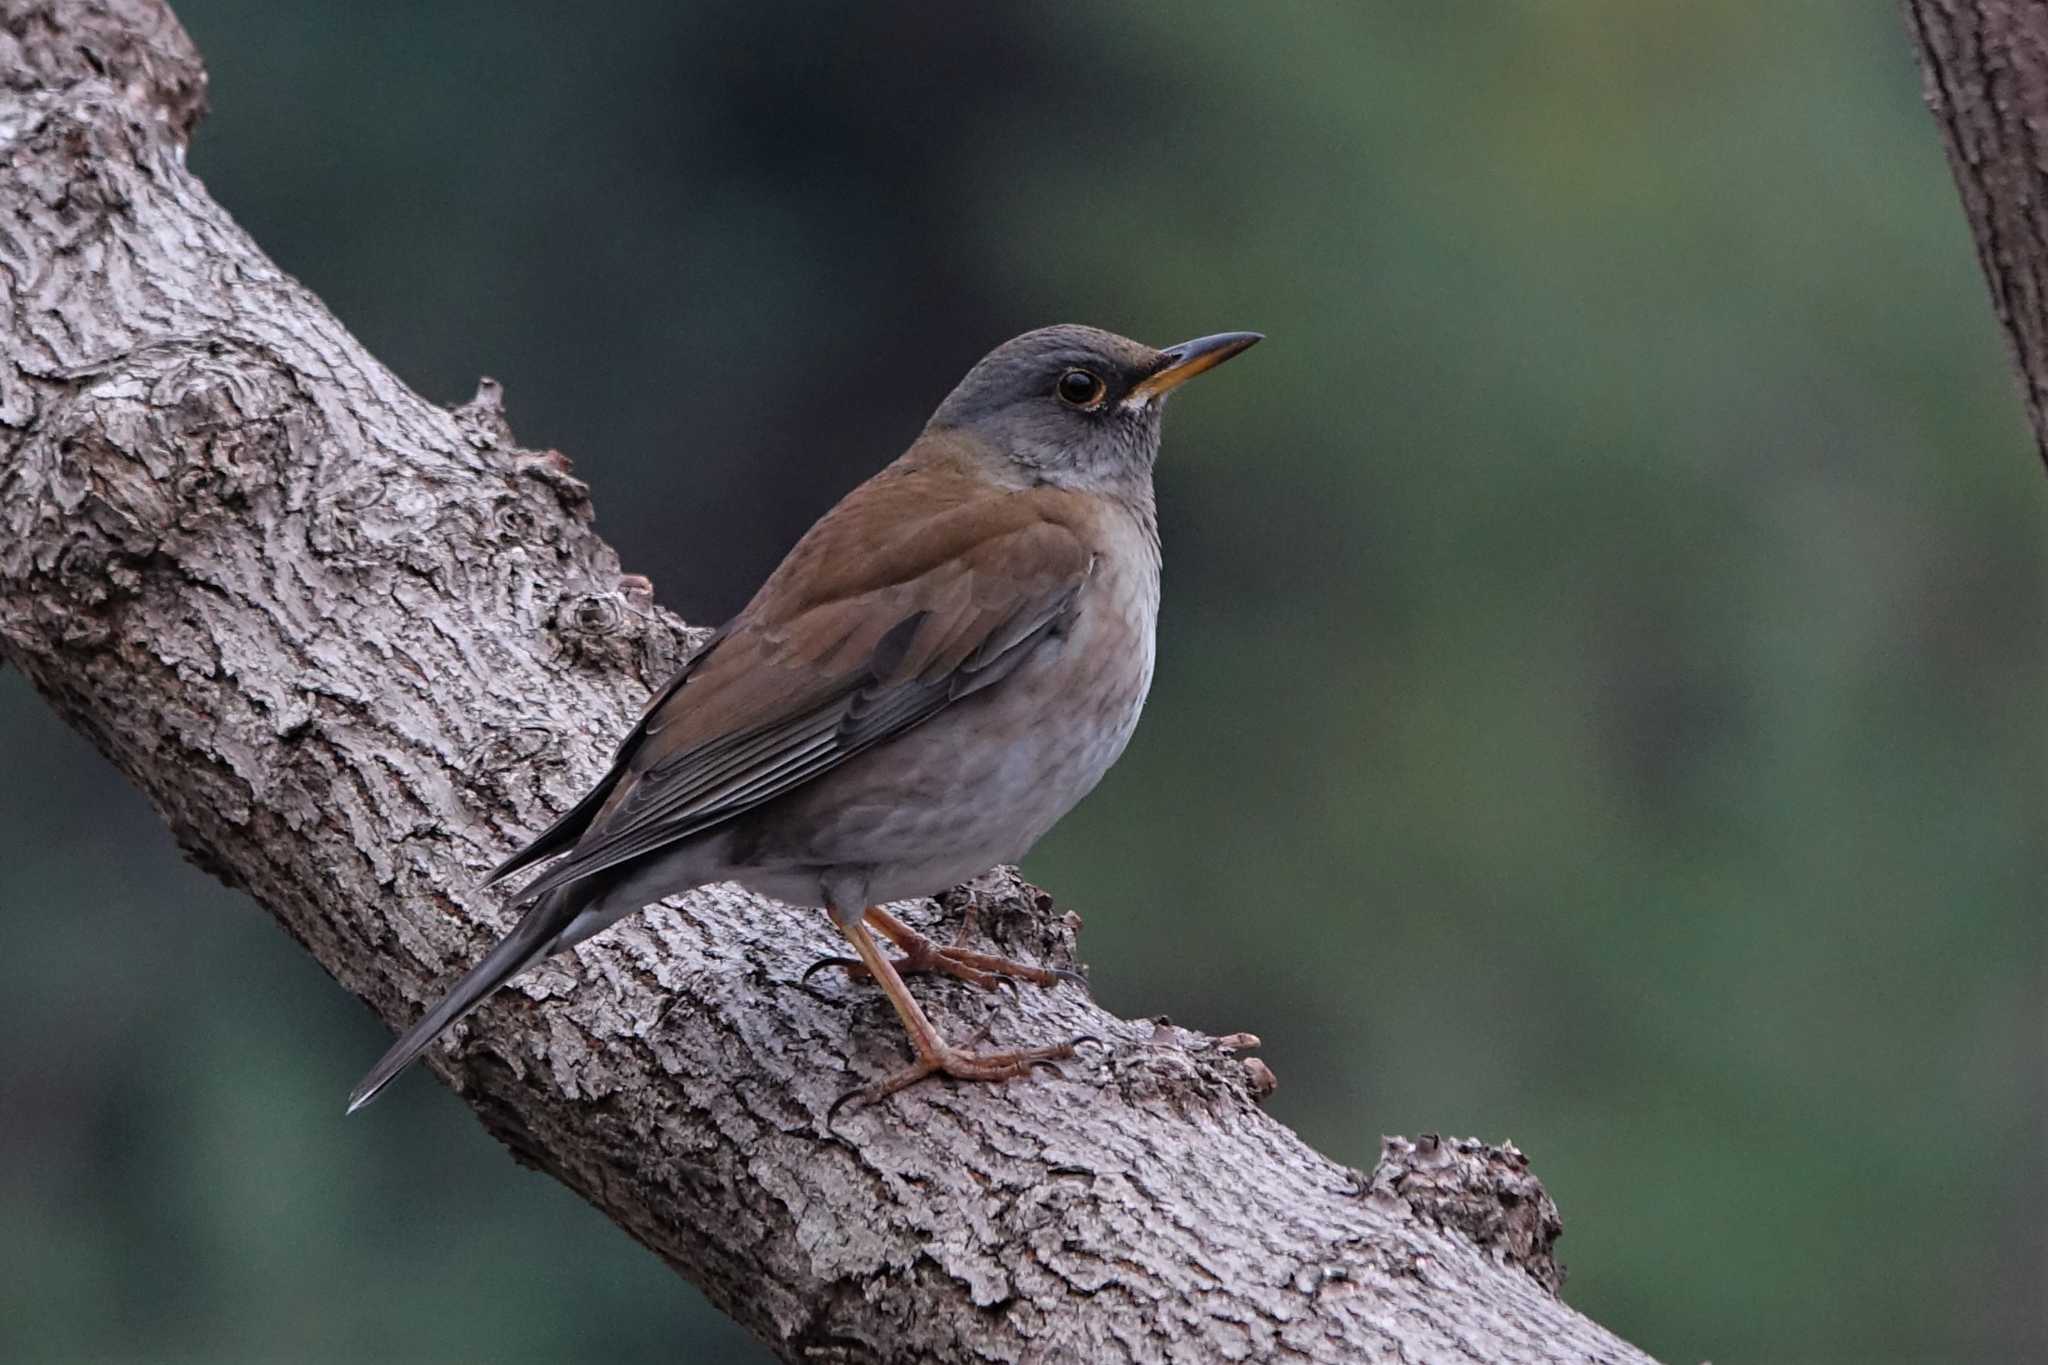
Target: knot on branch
{"points": [[615, 628], [587, 619], [137, 48], [1488, 1194], [482, 419], [1018, 918], [138, 458], [515, 521]]}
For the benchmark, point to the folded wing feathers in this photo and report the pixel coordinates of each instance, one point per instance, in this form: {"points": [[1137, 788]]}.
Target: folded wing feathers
{"points": [[972, 631]]}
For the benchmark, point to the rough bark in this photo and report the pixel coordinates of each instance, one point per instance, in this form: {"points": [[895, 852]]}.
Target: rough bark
{"points": [[354, 646], [1985, 69]]}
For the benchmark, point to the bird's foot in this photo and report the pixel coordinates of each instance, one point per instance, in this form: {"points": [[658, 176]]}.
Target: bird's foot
{"points": [[985, 970], [961, 1065], [921, 956]]}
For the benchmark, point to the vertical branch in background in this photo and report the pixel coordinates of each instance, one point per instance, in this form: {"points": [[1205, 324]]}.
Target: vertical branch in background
{"points": [[1986, 69]]}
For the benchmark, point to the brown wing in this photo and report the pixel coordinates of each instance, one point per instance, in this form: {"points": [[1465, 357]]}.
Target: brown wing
{"points": [[855, 639]]}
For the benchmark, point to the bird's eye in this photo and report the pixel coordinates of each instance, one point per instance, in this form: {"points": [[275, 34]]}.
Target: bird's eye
{"points": [[1078, 388]]}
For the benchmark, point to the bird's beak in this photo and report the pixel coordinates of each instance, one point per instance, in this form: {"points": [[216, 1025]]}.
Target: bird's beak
{"points": [[1179, 364]]}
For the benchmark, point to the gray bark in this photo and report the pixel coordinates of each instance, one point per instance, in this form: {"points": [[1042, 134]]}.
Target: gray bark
{"points": [[1985, 69], [355, 646]]}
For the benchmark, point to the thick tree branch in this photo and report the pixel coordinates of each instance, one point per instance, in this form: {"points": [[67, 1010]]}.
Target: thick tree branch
{"points": [[353, 646], [1985, 64]]}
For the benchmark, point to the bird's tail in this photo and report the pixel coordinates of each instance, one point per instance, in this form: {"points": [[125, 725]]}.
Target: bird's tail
{"points": [[543, 930]]}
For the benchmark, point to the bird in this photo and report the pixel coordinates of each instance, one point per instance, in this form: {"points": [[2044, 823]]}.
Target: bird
{"points": [[942, 667]]}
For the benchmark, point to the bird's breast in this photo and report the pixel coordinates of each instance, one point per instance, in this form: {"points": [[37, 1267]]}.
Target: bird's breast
{"points": [[1028, 751], [1016, 760], [1097, 677]]}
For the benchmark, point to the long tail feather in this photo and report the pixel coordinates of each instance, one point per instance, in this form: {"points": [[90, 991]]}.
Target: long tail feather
{"points": [[535, 936]]}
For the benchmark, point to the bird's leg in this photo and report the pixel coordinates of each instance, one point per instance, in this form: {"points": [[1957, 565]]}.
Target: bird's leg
{"points": [[935, 1057], [921, 954]]}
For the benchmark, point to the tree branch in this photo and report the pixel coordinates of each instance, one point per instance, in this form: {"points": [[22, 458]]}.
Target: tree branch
{"points": [[354, 646], [1984, 65]]}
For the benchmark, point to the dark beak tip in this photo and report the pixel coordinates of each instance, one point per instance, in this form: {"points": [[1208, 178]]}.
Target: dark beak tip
{"points": [[1178, 364], [1231, 342]]}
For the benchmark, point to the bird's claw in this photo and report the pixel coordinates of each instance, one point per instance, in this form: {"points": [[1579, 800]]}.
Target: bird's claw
{"points": [[851, 965], [840, 1103], [1072, 978]]}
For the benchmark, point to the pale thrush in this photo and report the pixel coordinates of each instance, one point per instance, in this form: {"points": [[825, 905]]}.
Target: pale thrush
{"points": [[943, 666]]}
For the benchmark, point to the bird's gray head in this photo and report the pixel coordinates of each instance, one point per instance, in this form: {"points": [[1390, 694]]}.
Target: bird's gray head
{"points": [[1078, 406]]}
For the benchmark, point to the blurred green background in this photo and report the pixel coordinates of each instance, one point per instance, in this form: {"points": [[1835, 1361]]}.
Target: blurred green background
{"points": [[1600, 682]]}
